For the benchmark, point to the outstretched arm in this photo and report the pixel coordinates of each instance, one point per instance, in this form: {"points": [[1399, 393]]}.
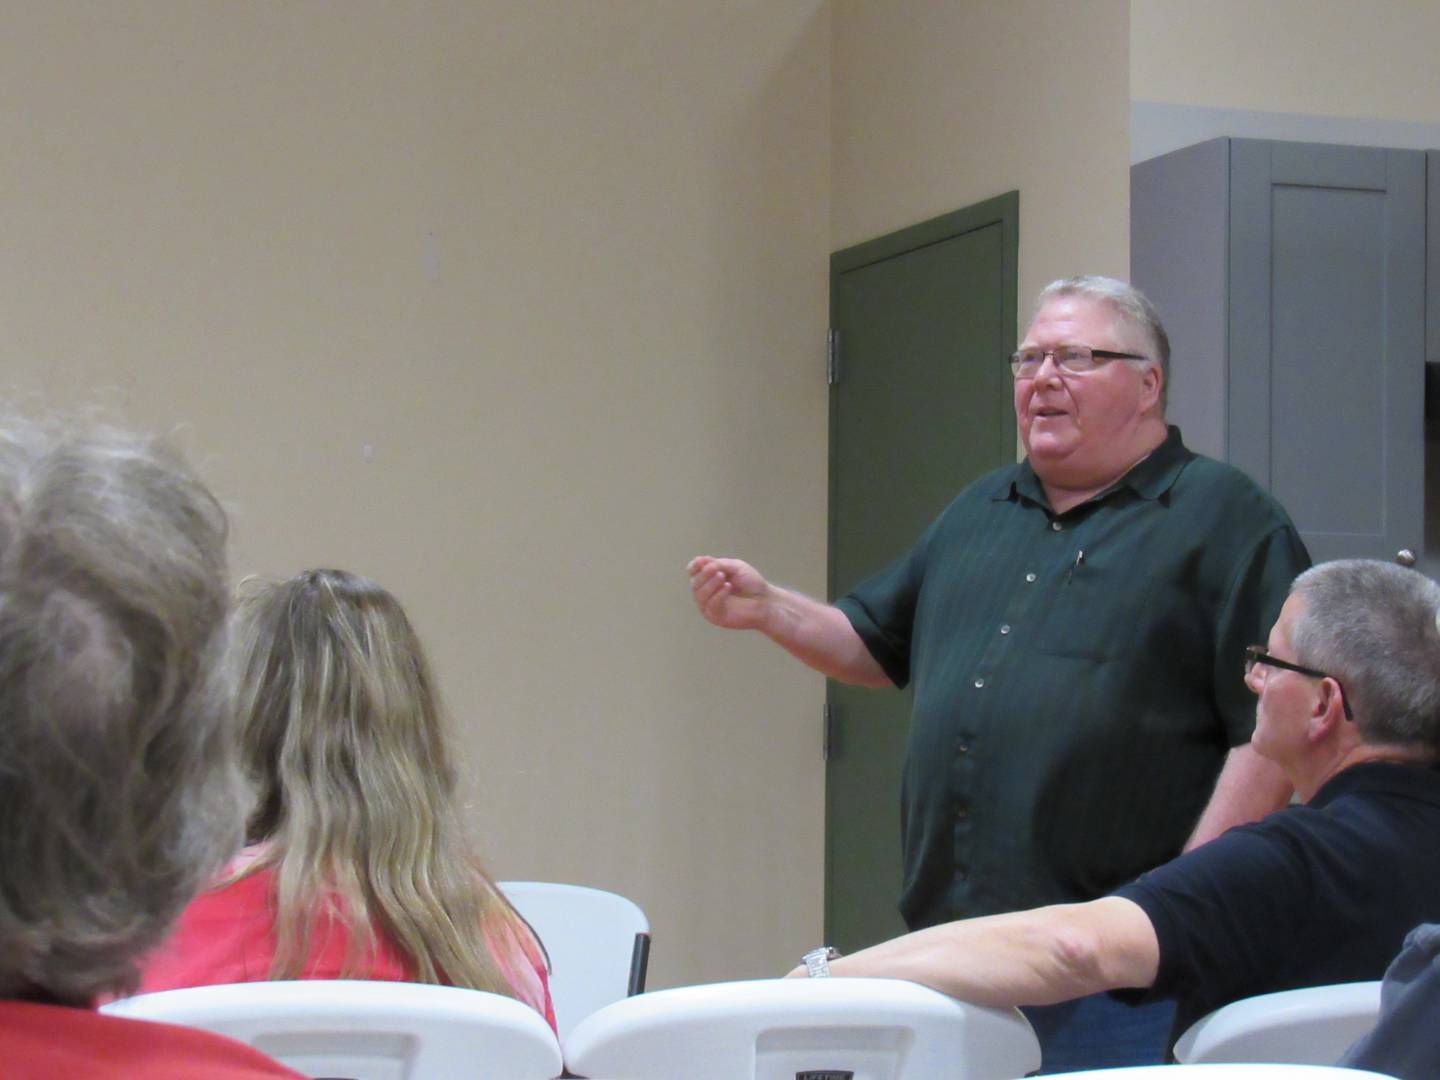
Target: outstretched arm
{"points": [[734, 595], [1249, 787], [1035, 957]]}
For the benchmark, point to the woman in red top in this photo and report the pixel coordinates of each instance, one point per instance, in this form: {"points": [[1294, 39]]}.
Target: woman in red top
{"points": [[357, 864]]}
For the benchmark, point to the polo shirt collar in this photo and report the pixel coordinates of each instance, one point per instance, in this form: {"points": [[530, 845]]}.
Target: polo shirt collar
{"points": [[1151, 478], [1410, 778]]}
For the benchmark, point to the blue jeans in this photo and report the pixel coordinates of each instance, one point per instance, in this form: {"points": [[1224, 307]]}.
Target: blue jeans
{"points": [[1101, 1032]]}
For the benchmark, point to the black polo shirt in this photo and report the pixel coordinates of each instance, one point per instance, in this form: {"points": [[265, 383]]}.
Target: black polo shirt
{"points": [[1315, 894], [1077, 678]]}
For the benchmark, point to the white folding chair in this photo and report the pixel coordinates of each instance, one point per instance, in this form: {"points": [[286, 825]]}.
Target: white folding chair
{"points": [[1253, 1071], [367, 1030], [1311, 1026], [598, 943], [781, 1029]]}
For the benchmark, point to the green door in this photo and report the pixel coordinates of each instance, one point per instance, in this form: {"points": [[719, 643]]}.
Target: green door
{"points": [[920, 406]]}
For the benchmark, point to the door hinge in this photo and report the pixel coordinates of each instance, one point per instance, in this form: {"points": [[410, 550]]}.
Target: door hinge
{"points": [[827, 732], [832, 356]]}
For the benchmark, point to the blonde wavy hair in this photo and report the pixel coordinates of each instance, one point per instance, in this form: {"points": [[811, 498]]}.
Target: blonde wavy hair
{"points": [[343, 738]]}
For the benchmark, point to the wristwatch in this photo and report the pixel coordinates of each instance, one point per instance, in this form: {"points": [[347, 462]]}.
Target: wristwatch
{"points": [[817, 961]]}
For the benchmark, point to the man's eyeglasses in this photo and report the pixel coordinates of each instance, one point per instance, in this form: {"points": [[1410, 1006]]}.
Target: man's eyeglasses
{"points": [[1073, 359], [1256, 654]]}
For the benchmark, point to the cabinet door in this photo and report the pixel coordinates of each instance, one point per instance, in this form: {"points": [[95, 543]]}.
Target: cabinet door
{"points": [[1179, 249], [1326, 339]]}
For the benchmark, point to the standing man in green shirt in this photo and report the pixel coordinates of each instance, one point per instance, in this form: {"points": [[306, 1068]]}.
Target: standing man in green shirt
{"points": [[1072, 625]]}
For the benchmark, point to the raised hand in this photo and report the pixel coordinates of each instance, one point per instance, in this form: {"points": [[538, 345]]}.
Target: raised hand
{"points": [[733, 594], [730, 593]]}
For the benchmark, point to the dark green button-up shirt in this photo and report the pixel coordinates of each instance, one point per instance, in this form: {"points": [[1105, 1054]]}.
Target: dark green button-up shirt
{"points": [[1077, 678]]}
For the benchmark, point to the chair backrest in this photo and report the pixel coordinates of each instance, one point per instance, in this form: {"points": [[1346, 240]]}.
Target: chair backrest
{"points": [[598, 943], [784, 1029], [1312, 1026], [367, 1030], [1251, 1071]]}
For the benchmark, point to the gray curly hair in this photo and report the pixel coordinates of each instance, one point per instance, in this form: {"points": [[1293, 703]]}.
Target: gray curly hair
{"points": [[119, 781]]}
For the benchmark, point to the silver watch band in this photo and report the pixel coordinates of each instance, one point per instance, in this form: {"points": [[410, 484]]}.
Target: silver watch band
{"points": [[817, 961]]}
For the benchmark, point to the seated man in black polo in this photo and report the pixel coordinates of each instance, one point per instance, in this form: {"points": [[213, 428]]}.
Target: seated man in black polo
{"points": [[1325, 892]]}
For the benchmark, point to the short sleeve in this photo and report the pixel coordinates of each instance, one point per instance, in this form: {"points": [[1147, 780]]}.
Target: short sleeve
{"points": [[1224, 914], [882, 609]]}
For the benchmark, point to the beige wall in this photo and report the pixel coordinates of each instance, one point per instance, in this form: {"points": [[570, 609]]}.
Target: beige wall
{"points": [[1343, 58], [938, 105], [514, 306]]}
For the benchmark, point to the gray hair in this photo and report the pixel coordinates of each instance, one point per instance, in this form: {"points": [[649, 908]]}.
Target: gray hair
{"points": [[1373, 625], [120, 788], [1137, 315]]}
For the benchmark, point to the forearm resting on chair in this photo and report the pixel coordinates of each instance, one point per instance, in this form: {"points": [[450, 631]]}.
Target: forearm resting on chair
{"points": [[1033, 957]]}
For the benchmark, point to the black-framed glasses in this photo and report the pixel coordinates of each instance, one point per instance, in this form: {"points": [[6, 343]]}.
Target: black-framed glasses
{"points": [[1256, 654], [1074, 359]]}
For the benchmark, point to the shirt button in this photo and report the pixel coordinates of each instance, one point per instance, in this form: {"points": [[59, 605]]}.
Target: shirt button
{"points": [[961, 746], [962, 812], [1030, 577], [1055, 526], [1004, 628], [979, 684]]}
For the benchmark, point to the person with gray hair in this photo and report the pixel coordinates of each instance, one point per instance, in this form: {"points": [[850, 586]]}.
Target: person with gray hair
{"points": [[1071, 625], [1324, 892], [1374, 625], [1137, 314], [119, 780]]}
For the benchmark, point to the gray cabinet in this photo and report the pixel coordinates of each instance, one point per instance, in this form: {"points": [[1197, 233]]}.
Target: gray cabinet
{"points": [[1292, 279]]}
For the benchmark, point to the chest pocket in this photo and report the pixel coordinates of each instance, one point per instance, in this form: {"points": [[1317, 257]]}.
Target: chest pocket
{"points": [[1100, 613]]}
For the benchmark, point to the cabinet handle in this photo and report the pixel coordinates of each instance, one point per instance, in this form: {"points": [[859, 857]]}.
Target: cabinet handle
{"points": [[1405, 557]]}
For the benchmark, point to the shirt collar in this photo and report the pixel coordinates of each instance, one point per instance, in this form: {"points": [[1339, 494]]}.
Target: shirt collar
{"points": [[1150, 478], [1411, 778]]}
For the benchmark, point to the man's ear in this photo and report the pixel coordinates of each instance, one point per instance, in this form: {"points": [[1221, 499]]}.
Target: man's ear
{"points": [[1152, 386], [1328, 714]]}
